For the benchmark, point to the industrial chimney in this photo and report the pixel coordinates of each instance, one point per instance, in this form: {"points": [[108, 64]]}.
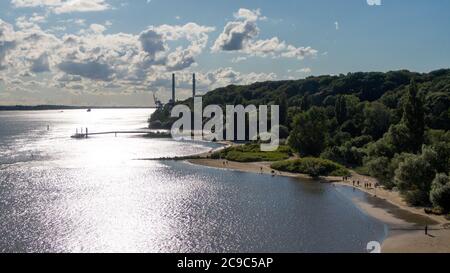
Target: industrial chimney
{"points": [[193, 85], [173, 88]]}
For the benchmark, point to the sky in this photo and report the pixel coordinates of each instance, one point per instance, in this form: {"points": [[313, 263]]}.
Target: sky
{"points": [[121, 52]]}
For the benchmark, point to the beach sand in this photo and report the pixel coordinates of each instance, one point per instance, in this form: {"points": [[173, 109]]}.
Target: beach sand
{"points": [[406, 224]]}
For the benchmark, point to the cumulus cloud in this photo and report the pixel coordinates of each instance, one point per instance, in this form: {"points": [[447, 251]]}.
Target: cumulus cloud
{"points": [[249, 15], [237, 34], [98, 60], [7, 42], [41, 64], [155, 40], [227, 75], [97, 28], [94, 59], [152, 42], [64, 6], [91, 70], [240, 36]]}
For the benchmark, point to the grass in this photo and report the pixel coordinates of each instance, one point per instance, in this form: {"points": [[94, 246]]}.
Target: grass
{"points": [[253, 153], [314, 167]]}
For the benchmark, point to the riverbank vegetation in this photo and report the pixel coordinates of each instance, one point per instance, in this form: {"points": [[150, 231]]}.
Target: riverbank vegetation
{"points": [[252, 153], [393, 126], [315, 167]]}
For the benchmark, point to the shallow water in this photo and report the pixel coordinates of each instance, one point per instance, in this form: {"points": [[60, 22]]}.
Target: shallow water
{"points": [[64, 195]]}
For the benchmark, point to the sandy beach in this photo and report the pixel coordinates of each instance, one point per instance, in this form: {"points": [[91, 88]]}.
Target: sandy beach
{"points": [[406, 224]]}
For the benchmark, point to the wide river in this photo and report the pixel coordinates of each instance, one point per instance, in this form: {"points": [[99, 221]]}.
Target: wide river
{"points": [[59, 194]]}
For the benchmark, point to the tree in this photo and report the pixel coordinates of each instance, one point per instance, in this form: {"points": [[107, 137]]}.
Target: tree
{"points": [[440, 192], [415, 175], [341, 109], [398, 137], [284, 108], [414, 118], [305, 103], [309, 133], [377, 119]]}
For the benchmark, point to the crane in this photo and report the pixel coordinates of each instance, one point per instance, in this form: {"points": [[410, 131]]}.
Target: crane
{"points": [[158, 103]]}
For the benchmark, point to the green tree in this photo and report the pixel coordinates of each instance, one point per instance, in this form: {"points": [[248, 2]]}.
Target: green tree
{"points": [[377, 119], [415, 175], [341, 109], [414, 118], [305, 103], [440, 192], [398, 137], [309, 133], [284, 108]]}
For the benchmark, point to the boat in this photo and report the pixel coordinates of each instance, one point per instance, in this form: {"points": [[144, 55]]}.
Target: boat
{"points": [[89, 110]]}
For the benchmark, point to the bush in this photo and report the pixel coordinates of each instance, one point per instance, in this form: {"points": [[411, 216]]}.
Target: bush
{"points": [[383, 168], [440, 192], [252, 153], [314, 167], [378, 167], [415, 175], [345, 154]]}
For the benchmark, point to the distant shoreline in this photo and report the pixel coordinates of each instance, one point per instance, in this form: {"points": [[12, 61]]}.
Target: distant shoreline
{"points": [[64, 107]]}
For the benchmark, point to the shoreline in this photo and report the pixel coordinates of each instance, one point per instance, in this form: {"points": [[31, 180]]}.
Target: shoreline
{"points": [[406, 224]]}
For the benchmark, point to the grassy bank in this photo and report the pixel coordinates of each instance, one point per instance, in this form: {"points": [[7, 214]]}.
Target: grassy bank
{"points": [[252, 153]]}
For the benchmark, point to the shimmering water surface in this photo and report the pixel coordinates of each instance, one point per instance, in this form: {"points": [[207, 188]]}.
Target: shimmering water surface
{"points": [[58, 194]]}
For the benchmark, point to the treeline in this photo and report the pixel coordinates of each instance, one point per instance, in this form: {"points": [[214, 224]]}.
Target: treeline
{"points": [[393, 126]]}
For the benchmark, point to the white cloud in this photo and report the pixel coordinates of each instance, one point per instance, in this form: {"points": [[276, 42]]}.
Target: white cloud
{"points": [[41, 64], [249, 15], [97, 28], [305, 70], [240, 36], [7, 42], [64, 6], [98, 59], [94, 60]]}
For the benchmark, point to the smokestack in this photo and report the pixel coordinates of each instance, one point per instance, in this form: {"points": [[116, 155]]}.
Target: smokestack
{"points": [[173, 87], [193, 85]]}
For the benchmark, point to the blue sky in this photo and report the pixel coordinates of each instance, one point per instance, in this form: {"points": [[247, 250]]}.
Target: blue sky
{"points": [[118, 52]]}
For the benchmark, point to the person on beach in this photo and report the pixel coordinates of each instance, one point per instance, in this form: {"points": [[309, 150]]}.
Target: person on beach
{"points": [[426, 229]]}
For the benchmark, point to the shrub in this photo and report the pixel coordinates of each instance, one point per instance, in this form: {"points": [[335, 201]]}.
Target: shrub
{"points": [[314, 167], [415, 175], [252, 153], [440, 192]]}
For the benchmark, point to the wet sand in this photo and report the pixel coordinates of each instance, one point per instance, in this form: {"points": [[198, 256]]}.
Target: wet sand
{"points": [[406, 224]]}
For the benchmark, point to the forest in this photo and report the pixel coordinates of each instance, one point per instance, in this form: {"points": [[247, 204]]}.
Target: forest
{"points": [[393, 126]]}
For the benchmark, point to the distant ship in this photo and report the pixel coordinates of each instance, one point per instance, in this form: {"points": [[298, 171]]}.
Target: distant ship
{"points": [[89, 110]]}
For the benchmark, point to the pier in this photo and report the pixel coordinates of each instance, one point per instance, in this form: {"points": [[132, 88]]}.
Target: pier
{"points": [[87, 134]]}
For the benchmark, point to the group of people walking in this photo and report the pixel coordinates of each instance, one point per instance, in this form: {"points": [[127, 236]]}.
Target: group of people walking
{"points": [[357, 183]]}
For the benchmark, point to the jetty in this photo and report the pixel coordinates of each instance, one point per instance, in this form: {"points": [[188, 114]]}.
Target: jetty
{"points": [[86, 134]]}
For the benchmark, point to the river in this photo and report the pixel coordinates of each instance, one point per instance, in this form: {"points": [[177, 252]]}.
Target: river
{"points": [[59, 194]]}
